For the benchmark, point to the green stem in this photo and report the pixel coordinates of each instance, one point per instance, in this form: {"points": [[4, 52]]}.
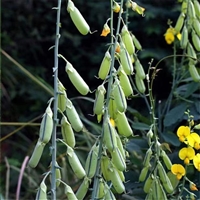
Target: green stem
{"points": [[55, 107]]}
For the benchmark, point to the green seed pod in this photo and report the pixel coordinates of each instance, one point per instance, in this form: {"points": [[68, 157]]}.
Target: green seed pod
{"points": [[116, 181], [125, 83], [69, 193], [166, 160], [140, 84], [82, 191], [99, 100], [73, 117], [105, 167], [125, 60], [194, 73], [139, 69], [174, 181], [121, 175], [112, 109], [149, 196], [76, 79], [184, 7], [101, 189], [119, 96], [157, 189], [148, 183], [91, 161], [42, 192], [127, 40], [105, 66], [109, 135], [58, 175], [46, 126], [196, 26], [184, 37], [109, 195], [179, 23], [78, 19], [197, 8], [196, 41], [75, 163], [120, 146], [118, 160], [191, 52], [191, 10], [143, 173], [123, 126], [136, 42], [67, 132], [62, 97], [37, 153], [147, 157]]}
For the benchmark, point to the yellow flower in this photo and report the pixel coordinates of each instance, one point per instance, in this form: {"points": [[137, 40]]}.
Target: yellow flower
{"points": [[194, 140], [183, 132], [135, 7], [179, 36], [193, 187], [186, 154], [170, 35], [196, 161], [178, 170], [106, 30]]}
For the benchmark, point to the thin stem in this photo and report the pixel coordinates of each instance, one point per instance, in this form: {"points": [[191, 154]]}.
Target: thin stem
{"points": [[7, 178], [55, 107]]}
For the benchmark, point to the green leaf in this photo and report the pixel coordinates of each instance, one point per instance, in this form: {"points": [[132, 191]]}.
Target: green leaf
{"points": [[140, 126], [171, 138]]}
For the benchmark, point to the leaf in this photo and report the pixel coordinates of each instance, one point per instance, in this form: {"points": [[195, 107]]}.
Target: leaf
{"points": [[171, 138], [140, 126], [175, 114]]}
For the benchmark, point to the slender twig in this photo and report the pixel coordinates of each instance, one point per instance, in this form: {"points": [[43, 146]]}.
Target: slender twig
{"points": [[20, 177], [18, 124], [7, 178], [55, 108]]}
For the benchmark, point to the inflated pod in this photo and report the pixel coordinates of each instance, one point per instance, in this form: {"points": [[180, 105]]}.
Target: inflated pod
{"points": [[62, 97], [127, 40], [109, 137], [108, 194], [196, 41], [149, 196], [125, 83], [197, 8], [118, 160], [184, 37], [105, 66], [148, 183], [105, 167], [125, 60], [67, 132], [70, 193], [82, 191], [76, 79], [191, 10], [194, 73], [37, 153], [75, 163], [73, 117], [101, 189], [191, 52], [99, 100], [143, 173], [140, 84], [166, 160], [112, 109], [46, 126], [58, 175], [147, 157], [119, 96], [123, 125], [77, 18], [121, 175], [158, 191], [139, 69], [196, 26], [42, 192], [136, 42], [120, 146], [91, 161], [179, 23]]}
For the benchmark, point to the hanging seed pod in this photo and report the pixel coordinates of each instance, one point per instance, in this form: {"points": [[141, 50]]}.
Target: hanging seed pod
{"points": [[125, 60], [109, 195], [119, 96], [191, 52], [194, 73], [184, 7], [116, 181], [166, 160], [118, 160], [191, 10], [67, 132], [46, 126], [147, 157], [105, 167], [37, 153], [78, 19], [149, 196], [69, 193], [105, 66], [143, 173], [148, 183], [140, 84], [82, 190], [157, 189], [197, 8], [58, 175], [75, 163], [101, 189], [139, 69], [109, 137], [179, 23], [91, 161], [127, 40], [99, 100], [120, 146], [73, 117], [42, 192], [123, 126], [136, 42], [196, 26], [112, 109], [184, 37], [121, 175], [196, 41], [125, 83], [76, 79], [62, 97]]}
